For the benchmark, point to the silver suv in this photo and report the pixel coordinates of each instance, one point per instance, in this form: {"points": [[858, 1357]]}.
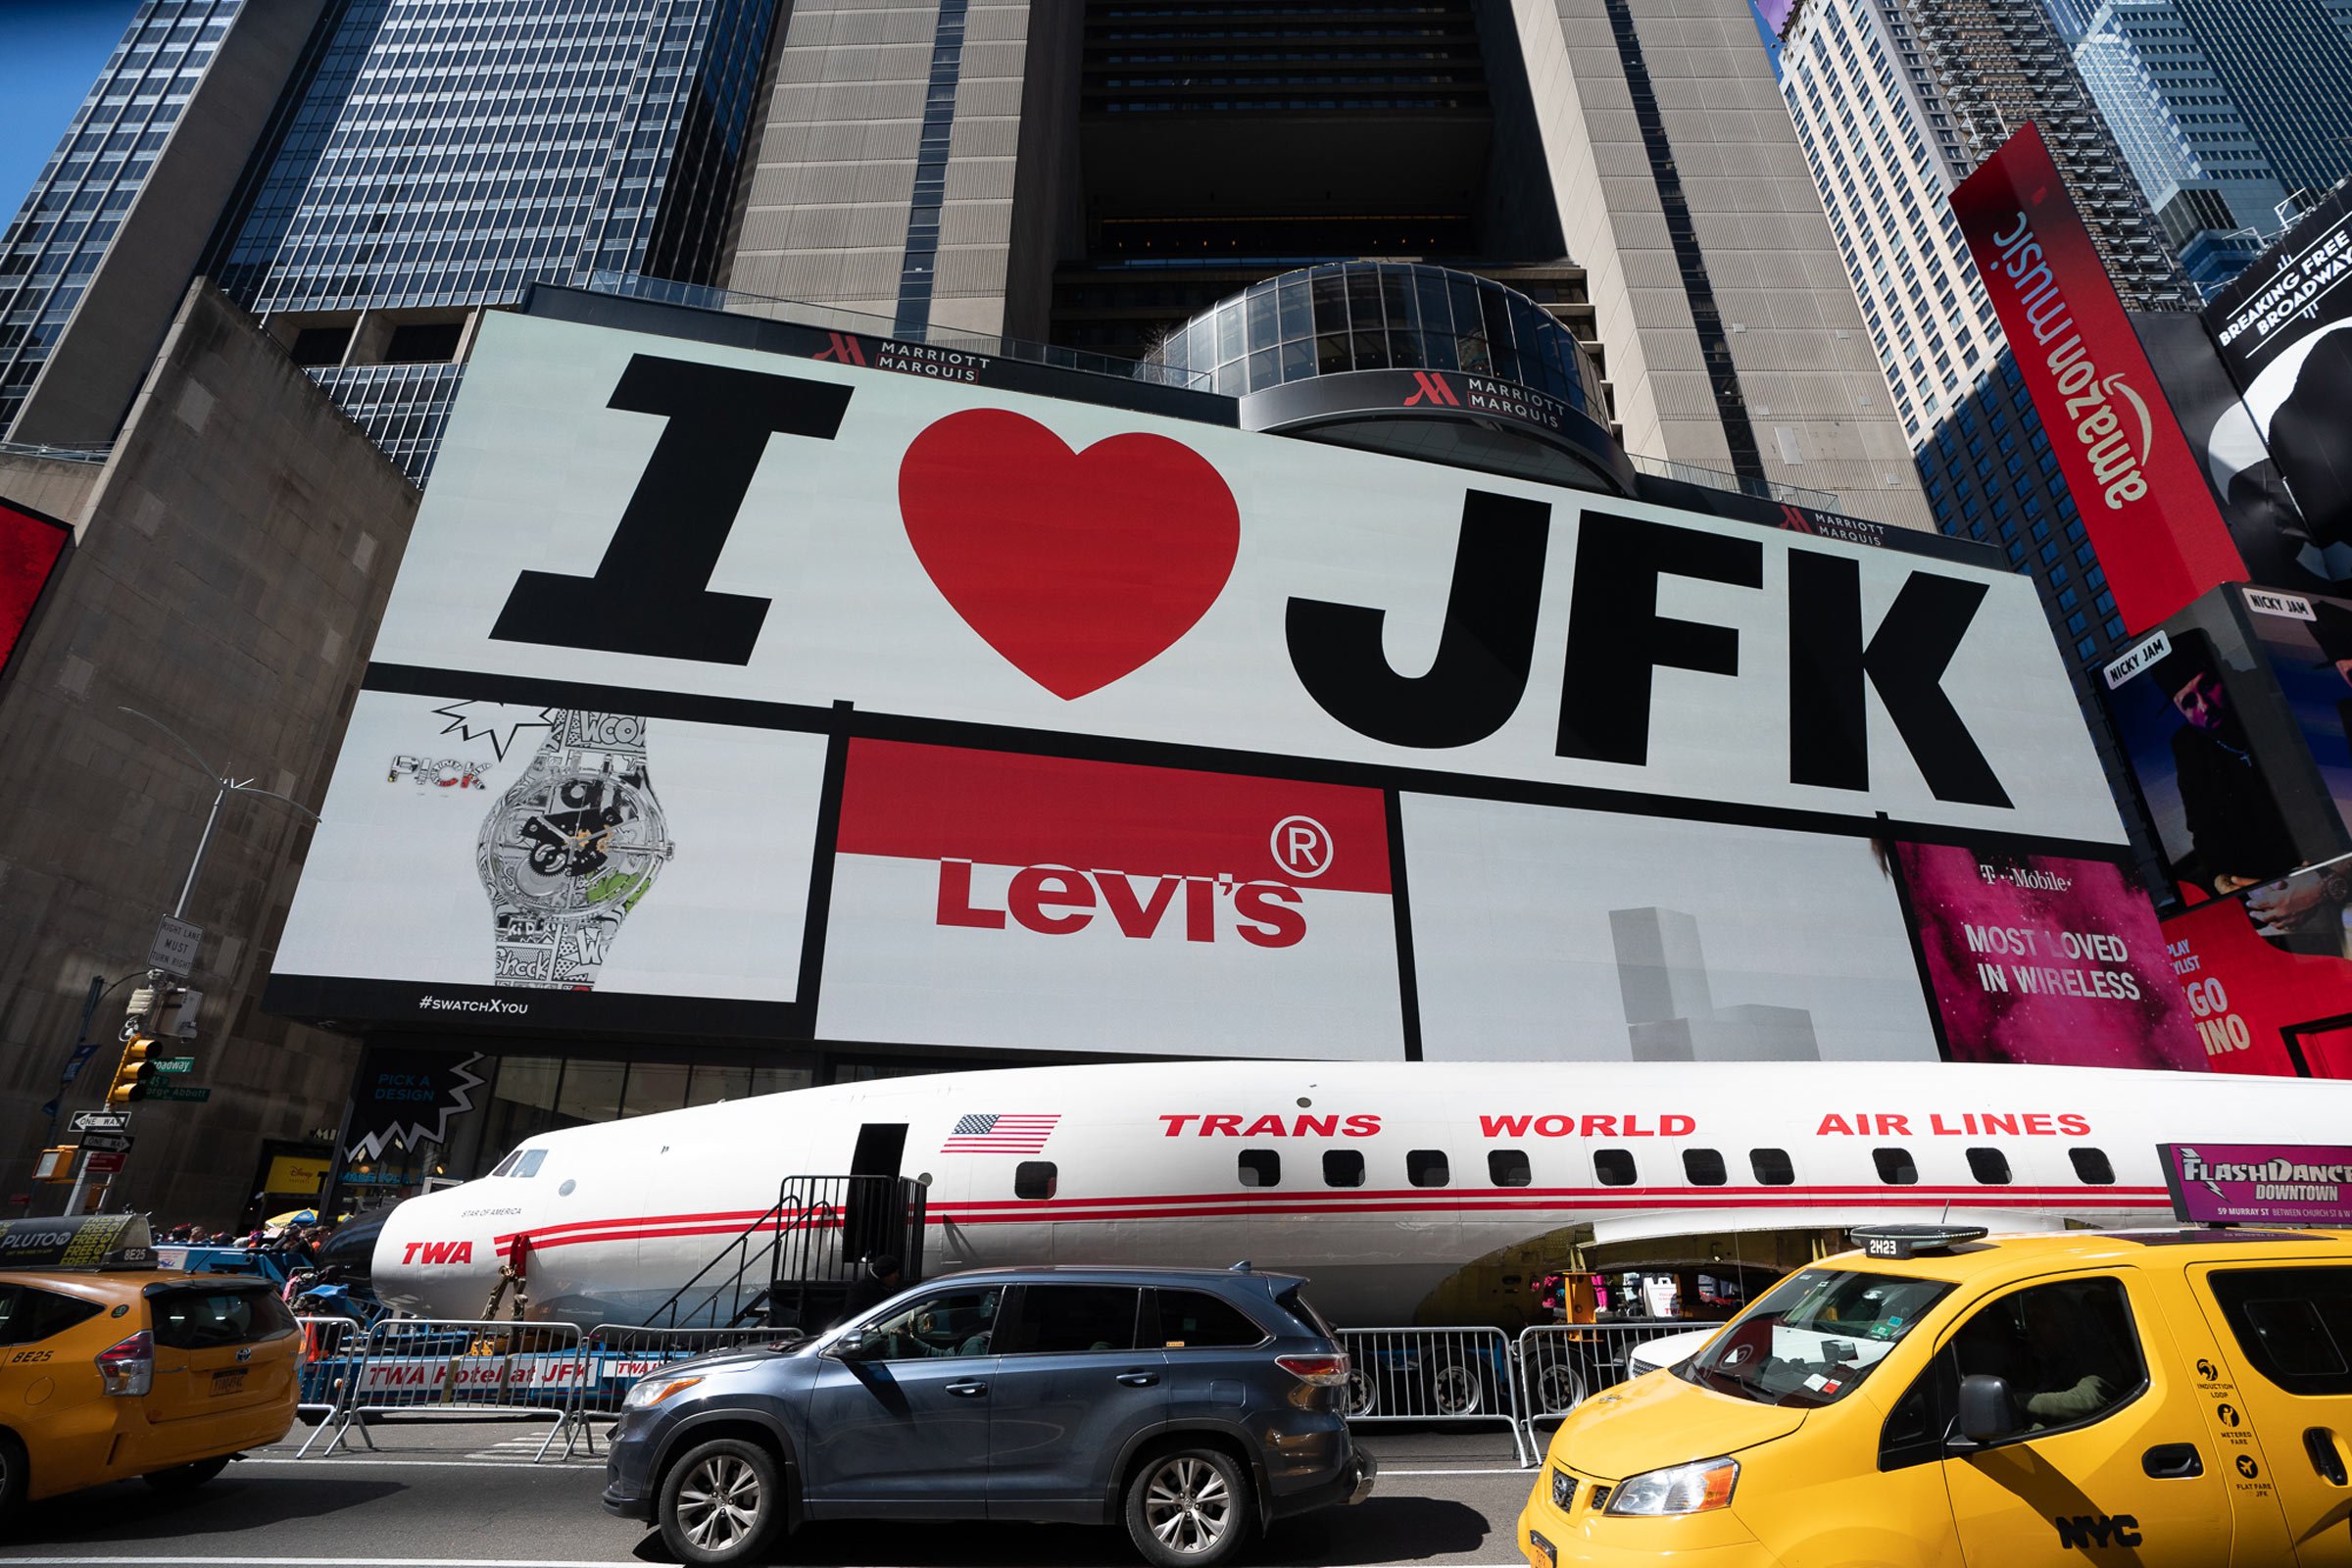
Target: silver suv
{"points": [[1195, 1406]]}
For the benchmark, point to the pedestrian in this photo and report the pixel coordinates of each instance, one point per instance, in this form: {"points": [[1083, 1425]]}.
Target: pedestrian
{"points": [[878, 1282]]}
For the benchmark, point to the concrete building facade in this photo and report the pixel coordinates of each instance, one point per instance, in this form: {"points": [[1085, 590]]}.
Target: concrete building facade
{"points": [[233, 555], [1059, 170]]}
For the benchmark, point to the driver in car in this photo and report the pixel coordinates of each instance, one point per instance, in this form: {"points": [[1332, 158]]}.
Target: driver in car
{"points": [[930, 1329]]}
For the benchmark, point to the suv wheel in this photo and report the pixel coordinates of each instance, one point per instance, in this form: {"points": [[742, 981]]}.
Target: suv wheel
{"points": [[1364, 1393], [722, 1503], [1190, 1508]]}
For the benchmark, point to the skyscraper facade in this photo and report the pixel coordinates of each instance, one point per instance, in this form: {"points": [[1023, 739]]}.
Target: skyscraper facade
{"points": [[94, 265], [2287, 65], [2000, 65], [2192, 154], [1096, 173], [373, 173]]}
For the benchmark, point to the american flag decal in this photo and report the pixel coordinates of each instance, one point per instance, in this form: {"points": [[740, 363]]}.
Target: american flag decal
{"points": [[991, 1134]]}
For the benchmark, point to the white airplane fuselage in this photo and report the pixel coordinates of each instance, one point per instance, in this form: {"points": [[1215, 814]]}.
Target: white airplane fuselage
{"points": [[1456, 1162]]}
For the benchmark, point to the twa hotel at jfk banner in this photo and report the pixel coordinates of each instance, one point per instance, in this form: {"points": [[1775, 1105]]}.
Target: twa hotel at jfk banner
{"points": [[734, 694]]}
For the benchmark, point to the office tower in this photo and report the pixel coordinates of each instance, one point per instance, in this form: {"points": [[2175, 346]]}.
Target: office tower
{"points": [[378, 173], [2286, 67], [1096, 174], [93, 267], [1999, 64], [2191, 152]]}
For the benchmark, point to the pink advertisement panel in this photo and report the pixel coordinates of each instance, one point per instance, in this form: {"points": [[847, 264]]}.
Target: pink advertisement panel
{"points": [[2038, 959]]}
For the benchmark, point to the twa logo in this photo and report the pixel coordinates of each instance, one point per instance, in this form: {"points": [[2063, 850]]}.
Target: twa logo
{"points": [[438, 1252], [845, 350], [1058, 900], [1433, 392]]}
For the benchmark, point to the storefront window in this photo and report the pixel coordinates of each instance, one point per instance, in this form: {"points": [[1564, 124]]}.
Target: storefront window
{"points": [[655, 1086], [590, 1092], [712, 1085]]}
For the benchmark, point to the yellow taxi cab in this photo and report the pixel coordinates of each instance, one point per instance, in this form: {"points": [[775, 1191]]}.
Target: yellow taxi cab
{"points": [[109, 1368], [2173, 1398]]}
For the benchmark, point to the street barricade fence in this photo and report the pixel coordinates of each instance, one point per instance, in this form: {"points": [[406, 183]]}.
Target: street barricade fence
{"points": [[327, 1357], [618, 1358], [1563, 1364], [450, 1368], [1433, 1375]]}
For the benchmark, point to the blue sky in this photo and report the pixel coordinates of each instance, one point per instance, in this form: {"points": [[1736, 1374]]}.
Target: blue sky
{"points": [[50, 51]]}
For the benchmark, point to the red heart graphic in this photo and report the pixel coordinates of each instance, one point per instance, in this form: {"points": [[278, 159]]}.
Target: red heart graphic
{"points": [[1078, 566]]}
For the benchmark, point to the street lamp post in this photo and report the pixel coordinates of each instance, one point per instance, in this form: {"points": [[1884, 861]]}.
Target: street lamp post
{"points": [[223, 787]]}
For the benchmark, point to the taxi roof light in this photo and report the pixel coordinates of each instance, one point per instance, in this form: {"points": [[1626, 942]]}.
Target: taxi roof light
{"points": [[1913, 1241]]}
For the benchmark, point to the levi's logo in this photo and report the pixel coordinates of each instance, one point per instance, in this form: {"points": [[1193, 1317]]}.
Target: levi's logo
{"points": [[438, 1252], [1058, 901]]}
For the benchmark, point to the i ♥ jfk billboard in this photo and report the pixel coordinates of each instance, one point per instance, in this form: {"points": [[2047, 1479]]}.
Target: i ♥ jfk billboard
{"points": [[766, 694]]}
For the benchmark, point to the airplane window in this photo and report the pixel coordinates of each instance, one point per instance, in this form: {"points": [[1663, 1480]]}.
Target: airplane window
{"points": [[1895, 1168], [1614, 1167], [1427, 1167], [1989, 1166], [1704, 1167], [1343, 1167], [1035, 1178], [1772, 1167], [1261, 1167], [507, 1165], [527, 1161], [1508, 1167], [2092, 1165]]}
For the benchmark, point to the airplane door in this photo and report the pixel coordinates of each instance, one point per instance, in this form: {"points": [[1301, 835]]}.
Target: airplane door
{"points": [[871, 1220], [2115, 1453]]}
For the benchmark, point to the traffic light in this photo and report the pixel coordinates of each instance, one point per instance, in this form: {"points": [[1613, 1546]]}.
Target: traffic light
{"points": [[133, 1071]]}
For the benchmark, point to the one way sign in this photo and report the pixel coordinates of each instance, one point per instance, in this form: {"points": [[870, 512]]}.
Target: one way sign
{"points": [[105, 1121]]}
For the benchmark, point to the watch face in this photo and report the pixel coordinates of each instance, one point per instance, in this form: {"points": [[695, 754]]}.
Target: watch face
{"points": [[569, 849]]}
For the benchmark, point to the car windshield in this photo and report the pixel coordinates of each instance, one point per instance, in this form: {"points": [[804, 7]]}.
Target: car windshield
{"points": [[1814, 1337]]}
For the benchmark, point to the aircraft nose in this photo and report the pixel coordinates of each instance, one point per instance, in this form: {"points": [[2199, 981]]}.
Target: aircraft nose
{"points": [[432, 1260]]}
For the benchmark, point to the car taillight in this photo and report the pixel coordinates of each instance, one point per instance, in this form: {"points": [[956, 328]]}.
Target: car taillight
{"points": [[1322, 1371], [128, 1367]]}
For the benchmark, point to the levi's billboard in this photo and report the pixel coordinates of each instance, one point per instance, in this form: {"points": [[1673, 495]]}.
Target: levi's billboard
{"points": [[2136, 482], [745, 691]]}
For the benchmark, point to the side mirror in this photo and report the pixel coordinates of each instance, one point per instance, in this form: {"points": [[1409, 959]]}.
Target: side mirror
{"points": [[854, 1346], [1987, 1409]]}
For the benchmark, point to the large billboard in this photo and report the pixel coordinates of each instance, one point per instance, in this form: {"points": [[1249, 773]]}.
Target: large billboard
{"points": [[2159, 536], [730, 689], [2267, 974], [2283, 327], [30, 547]]}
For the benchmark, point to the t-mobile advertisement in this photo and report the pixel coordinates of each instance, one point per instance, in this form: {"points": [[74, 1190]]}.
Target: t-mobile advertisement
{"points": [[2159, 535], [2267, 974], [994, 899], [2040, 960], [29, 548], [1542, 934]]}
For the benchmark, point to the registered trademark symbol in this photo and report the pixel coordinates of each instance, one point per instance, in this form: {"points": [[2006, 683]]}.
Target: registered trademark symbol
{"points": [[1301, 847]]}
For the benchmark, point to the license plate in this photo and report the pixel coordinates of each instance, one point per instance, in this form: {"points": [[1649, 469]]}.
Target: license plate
{"points": [[228, 1381], [1541, 1553]]}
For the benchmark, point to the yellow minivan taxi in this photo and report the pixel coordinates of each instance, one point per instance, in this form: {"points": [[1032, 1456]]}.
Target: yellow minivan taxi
{"points": [[2174, 1398], [110, 1369]]}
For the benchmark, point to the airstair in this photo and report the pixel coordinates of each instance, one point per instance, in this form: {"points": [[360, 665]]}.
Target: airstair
{"points": [[793, 1266]]}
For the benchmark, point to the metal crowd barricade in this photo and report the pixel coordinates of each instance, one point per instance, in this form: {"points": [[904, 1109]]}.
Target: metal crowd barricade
{"points": [[455, 1370], [618, 1358], [326, 1347], [1434, 1374], [1563, 1364]]}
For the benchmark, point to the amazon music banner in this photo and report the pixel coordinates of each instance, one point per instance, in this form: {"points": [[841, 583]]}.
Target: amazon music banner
{"points": [[2143, 496], [737, 691]]}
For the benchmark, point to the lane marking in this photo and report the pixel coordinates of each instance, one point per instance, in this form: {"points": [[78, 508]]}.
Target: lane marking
{"points": [[1515, 1470]]}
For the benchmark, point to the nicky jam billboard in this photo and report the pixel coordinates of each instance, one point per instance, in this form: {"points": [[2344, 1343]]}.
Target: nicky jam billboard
{"points": [[769, 694]]}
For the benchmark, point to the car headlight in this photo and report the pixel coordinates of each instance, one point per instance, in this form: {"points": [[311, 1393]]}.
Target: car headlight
{"points": [[649, 1392], [1699, 1487]]}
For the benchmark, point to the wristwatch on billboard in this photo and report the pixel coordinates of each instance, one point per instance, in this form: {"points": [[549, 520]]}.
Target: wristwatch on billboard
{"points": [[568, 849]]}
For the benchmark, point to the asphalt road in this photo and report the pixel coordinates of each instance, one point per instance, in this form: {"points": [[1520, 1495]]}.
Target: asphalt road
{"points": [[471, 1496]]}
